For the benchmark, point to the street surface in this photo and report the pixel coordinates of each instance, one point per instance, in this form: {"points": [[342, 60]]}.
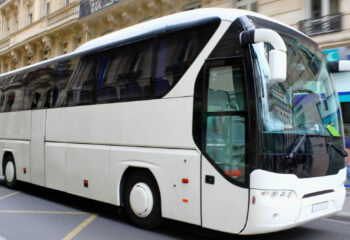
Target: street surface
{"points": [[31, 212]]}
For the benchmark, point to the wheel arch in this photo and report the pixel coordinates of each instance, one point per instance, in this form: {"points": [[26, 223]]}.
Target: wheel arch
{"points": [[3, 154], [126, 174]]}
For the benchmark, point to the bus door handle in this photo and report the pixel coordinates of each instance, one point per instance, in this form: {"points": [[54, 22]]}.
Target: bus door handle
{"points": [[209, 179]]}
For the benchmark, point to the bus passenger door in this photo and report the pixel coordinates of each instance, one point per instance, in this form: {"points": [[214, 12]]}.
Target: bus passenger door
{"points": [[224, 126], [37, 141]]}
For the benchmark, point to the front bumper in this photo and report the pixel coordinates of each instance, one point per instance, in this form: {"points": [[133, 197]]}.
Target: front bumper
{"points": [[276, 210]]}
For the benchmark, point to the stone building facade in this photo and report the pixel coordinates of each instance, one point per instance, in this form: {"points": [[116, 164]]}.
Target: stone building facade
{"points": [[35, 30]]}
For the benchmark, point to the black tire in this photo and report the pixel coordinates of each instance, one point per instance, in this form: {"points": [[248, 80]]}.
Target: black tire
{"points": [[154, 218], [13, 182]]}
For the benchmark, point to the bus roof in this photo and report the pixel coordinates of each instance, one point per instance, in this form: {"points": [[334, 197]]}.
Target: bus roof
{"points": [[159, 25]]}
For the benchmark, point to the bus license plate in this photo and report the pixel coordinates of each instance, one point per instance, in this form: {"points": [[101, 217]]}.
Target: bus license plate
{"points": [[319, 206]]}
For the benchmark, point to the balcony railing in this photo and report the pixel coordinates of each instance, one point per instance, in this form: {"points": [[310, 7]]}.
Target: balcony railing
{"points": [[88, 7], [322, 25], [63, 13]]}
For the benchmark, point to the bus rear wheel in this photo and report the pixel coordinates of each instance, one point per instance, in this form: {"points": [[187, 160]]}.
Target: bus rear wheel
{"points": [[142, 200], [10, 172]]}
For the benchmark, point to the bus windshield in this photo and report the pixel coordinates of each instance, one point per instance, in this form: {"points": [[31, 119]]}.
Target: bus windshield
{"points": [[299, 110], [306, 103]]}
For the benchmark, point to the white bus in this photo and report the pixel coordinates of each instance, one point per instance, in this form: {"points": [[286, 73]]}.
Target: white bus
{"points": [[186, 118]]}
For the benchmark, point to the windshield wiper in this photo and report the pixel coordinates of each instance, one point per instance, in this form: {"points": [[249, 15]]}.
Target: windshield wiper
{"points": [[338, 149], [296, 148]]}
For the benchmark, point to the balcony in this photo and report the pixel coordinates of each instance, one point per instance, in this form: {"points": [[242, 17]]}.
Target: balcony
{"points": [[322, 25], [63, 13], [88, 7]]}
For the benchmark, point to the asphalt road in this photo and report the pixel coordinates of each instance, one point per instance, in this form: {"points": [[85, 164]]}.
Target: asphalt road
{"points": [[31, 212]]}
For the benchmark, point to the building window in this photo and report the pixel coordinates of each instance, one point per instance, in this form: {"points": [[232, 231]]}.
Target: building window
{"points": [[79, 41], [64, 47], [251, 5], [66, 2], [29, 60], [193, 5], [47, 7], [319, 8], [30, 18]]}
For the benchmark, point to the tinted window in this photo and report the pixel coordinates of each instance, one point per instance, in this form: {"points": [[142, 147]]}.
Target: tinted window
{"points": [[12, 93], [39, 84], [126, 73], [81, 83], [229, 45], [64, 71], [176, 53]]}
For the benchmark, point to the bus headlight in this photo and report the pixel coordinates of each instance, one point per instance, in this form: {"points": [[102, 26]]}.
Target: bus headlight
{"points": [[279, 194]]}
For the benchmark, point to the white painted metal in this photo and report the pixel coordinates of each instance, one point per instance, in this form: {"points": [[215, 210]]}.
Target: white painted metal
{"points": [[168, 166], [55, 166], [224, 205], [121, 124], [88, 162], [274, 211], [270, 36], [277, 56], [21, 152], [141, 200], [344, 66], [10, 171], [37, 149], [18, 125]]}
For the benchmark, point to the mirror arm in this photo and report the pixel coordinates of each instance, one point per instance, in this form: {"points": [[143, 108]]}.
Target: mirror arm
{"points": [[277, 56]]}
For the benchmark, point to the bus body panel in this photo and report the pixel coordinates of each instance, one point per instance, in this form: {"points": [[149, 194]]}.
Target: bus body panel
{"points": [[91, 163], [37, 148], [260, 179], [309, 199], [224, 208], [169, 167], [155, 123], [55, 166], [18, 125], [21, 152]]}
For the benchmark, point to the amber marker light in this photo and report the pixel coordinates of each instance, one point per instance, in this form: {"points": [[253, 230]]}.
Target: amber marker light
{"points": [[253, 199], [185, 200]]}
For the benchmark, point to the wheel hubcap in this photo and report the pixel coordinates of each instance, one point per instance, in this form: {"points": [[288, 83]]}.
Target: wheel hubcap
{"points": [[141, 200], [10, 172]]}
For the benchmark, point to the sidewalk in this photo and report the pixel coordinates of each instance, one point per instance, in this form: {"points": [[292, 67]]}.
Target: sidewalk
{"points": [[344, 215]]}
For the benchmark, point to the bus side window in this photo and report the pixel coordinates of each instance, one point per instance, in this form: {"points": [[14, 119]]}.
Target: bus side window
{"points": [[11, 96], [37, 92], [82, 83], [64, 70], [135, 80], [108, 89], [2, 99], [14, 92], [176, 53]]}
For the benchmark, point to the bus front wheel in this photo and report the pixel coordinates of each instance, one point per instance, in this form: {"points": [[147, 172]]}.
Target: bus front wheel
{"points": [[142, 200], [10, 172]]}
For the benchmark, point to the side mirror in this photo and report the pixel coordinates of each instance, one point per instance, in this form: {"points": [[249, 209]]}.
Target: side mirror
{"points": [[277, 56], [339, 66]]}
